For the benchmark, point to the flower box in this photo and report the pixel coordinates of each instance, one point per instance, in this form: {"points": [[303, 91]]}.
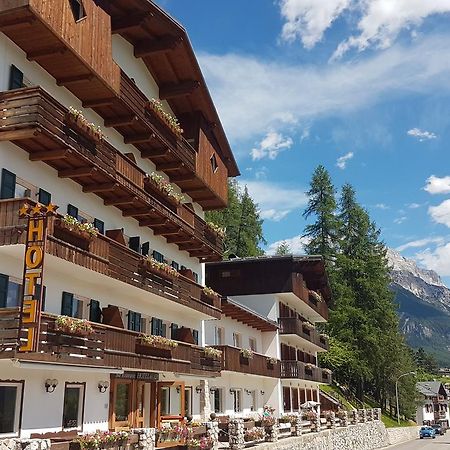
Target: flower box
{"points": [[155, 345], [73, 326], [316, 296], [166, 118], [271, 362], [213, 353], [162, 189], [162, 270], [77, 121], [209, 296], [216, 230]]}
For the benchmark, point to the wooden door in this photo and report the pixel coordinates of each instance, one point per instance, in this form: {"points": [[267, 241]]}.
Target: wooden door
{"points": [[121, 404], [171, 402]]}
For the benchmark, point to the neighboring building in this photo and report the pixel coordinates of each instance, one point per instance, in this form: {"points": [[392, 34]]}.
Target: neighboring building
{"points": [[292, 291], [434, 406], [107, 59], [246, 384]]}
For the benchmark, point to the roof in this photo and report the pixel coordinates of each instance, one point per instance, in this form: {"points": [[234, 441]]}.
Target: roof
{"points": [[247, 316], [147, 22], [431, 388], [294, 258]]}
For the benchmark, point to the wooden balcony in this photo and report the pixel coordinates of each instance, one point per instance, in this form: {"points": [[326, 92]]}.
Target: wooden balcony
{"points": [[108, 257], [106, 347], [36, 122], [48, 33], [233, 361], [299, 370], [294, 326]]}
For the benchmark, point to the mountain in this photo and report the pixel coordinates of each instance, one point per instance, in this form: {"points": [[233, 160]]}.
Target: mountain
{"points": [[424, 306]]}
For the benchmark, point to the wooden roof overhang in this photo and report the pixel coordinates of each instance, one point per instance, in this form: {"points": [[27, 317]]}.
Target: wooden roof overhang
{"points": [[164, 46], [246, 316]]}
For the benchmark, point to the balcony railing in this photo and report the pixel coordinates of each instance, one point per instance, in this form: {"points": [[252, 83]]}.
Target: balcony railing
{"points": [[293, 325], [108, 257], [106, 346], [33, 120], [301, 370], [301, 291], [261, 365]]}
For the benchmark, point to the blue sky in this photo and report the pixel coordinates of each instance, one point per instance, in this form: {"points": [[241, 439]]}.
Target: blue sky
{"points": [[360, 86]]}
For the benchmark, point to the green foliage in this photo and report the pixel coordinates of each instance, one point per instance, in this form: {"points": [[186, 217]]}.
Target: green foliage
{"points": [[367, 351], [283, 249], [241, 220], [425, 361]]}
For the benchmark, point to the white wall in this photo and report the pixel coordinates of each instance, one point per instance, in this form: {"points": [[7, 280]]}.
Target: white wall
{"points": [[264, 305]]}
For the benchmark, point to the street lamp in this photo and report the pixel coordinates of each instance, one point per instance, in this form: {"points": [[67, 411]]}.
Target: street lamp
{"points": [[396, 392]]}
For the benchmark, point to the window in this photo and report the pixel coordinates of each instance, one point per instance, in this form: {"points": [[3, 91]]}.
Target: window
{"points": [[73, 306], [10, 407], [95, 312], [44, 197], [252, 344], [216, 399], [254, 404], [8, 187], [145, 249], [175, 265], [73, 406], [219, 335], [135, 243], [100, 225], [9, 291], [287, 399], [195, 336], [213, 161], [237, 400], [158, 256], [237, 340], [174, 331], [72, 211], [188, 400], [134, 321], [15, 78], [158, 327], [77, 9]]}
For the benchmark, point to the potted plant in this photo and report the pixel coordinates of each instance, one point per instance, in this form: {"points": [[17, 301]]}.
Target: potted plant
{"points": [[168, 119], [85, 230], [309, 366], [246, 353], [308, 326], [102, 439], [161, 269], [315, 295], [76, 119], [204, 443], [210, 294], [271, 362], [71, 325], [216, 229], [160, 186], [161, 342], [213, 353], [254, 434]]}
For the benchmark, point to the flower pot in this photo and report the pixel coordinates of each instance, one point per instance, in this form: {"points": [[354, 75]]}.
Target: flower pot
{"points": [[71, 235], [151, 186], [158, 272], [162, 351]]}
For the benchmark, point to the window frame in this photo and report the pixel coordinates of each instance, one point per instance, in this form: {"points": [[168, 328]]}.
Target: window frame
{"points": [[82, 400], [214, 163], [237, 400], [20, 384], [237, 339], [253, 344], [81, 13], [219, 391]]}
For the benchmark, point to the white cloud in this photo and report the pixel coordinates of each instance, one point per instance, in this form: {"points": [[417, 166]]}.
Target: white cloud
{"points": [[309, 19], [400, 220], [254, 95], [437, 259], [381, 206], [343, 160], [441, 213], [414, 205], [420, 243], [421, 134], [296, 245], [275, 202], [436, 185], [272, 144]]}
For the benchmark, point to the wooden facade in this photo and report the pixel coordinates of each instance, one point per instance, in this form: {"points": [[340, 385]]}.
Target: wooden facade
{"points": [[108, 257], [294, 326], [300, 370], [107, 346], [33, 120], [233, 361]]}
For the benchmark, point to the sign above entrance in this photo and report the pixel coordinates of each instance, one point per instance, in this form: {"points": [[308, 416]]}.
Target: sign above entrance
{"points": [[143, 376]]}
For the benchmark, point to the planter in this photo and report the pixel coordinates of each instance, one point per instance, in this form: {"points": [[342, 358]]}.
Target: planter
{"points": [[157, 271], [164, 118], [152, 187], [82, 126], [71, 235], [209, 299], [160, 350], [196, 431], [244, 360]]}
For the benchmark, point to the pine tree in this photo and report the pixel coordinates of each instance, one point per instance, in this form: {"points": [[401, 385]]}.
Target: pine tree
{"points": [[283, 249]]}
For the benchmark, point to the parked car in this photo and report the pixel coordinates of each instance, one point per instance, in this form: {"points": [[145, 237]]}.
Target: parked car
{"points": [[438, 429], [427, 432]]}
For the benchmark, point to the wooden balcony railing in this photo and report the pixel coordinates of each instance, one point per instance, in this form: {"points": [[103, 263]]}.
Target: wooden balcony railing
{"points": [[233, 361], [36, 122], [106, 346], [300, 370], [293, 325], [301, 291], [108, 257]]}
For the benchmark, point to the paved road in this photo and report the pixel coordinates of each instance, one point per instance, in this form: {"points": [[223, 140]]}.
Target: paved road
{"points": [[440, 443]]}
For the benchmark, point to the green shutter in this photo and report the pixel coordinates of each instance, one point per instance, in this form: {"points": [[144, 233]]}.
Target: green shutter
{"points": [[134, 321], [4, 280], [135, 243], [67, 304], [100, 225], [15, 78], [195, 336], [8, 187], [158, 256], [44, 197], [145, 249], [72, 211], [175, 265], [95, 312], [174, 331]]}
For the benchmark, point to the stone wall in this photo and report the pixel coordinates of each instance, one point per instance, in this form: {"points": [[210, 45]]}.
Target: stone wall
{"points": [[24, 444], [401, 434]]}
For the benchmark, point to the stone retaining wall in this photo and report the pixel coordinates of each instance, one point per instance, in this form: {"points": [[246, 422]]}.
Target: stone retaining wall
{"points": [[401, 434]]}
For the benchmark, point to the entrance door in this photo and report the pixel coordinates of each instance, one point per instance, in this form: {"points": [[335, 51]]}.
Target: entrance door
{"points": [[171, 402]]}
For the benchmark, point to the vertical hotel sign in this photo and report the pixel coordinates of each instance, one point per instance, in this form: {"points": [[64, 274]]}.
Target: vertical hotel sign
{"points": [[33, 274]]}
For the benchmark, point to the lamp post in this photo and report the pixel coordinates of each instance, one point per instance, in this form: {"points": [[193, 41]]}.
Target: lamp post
{"points": [[396, 392]]}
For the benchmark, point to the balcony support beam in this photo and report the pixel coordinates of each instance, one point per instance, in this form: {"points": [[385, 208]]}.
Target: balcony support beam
{"points": [[153, 222], [105, 187], [137, 212], [75, 173], [166, 232], [44, 52], [50, 155], [163, 151], [75, 79], [120, 201], [120, 121], [162, 44], [169, 166], [139, 138], [95, 103], [173, 90], [119, 25]]}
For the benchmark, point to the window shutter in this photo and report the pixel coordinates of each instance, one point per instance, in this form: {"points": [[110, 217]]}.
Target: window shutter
{"points": [[153, 327], [44, 197], [66, 304], [163, 329], [100, 225], [4, 280], [174, 331], [158, 256], [195, 277], [195, 336], [8, 187], [72, 211], [175, 265], [134, 321], [15, 78], [95, 312], [135, 243], [145, 249]]}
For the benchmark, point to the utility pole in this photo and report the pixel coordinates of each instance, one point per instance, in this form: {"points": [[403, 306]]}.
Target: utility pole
{"points": [[396, 392]]}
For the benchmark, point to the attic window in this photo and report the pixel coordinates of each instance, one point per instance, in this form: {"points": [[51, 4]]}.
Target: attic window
{"points": [[77, 9], [213, 161]]}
